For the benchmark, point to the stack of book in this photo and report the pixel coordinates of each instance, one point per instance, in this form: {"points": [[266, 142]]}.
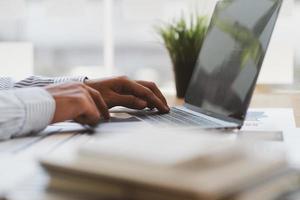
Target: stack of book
{"points": [[169, 167]]}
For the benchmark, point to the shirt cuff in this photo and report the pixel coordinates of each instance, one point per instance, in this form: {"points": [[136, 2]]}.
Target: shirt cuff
{"points": [[70, 79], [39, 109], [6, 83]]}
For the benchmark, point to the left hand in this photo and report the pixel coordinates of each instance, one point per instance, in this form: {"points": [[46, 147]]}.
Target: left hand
{"points": [[121, 91]]}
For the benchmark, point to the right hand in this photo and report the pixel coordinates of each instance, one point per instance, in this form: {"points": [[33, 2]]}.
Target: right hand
{"points": [[79, 102]]}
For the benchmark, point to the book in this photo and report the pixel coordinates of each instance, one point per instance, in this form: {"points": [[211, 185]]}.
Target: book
{"points": [[162, 166]]}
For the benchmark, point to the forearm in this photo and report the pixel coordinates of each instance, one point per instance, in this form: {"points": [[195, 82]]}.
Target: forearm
{"points": [[24, 111]]}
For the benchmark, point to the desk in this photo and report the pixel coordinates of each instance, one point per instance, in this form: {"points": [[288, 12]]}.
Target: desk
{"points": [[266, 96]]}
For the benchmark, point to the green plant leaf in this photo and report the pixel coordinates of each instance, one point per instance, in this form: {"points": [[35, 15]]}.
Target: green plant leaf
{"points": [[183, 39]]}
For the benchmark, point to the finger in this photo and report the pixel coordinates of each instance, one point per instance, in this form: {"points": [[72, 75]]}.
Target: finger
{"points": [[99, 101], [130, 101], [91, 114], [154, 89], [145, 93], [85, 120]]}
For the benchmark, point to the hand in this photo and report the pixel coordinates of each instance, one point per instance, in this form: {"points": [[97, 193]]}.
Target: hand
{"points": [[121, 91], [79, 102]]}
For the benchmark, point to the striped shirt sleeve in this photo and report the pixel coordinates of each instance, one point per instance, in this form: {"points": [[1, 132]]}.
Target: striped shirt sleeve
{"points": [[38, 81], [24, 111], [6, 83], [25, 107]]}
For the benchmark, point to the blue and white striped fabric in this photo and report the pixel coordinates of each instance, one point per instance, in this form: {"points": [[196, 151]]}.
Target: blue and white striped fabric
{"points": [[25, 107], [6, 83], [24, 111], [37, 81]]}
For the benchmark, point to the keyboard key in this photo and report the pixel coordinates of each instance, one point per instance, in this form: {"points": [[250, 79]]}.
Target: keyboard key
{"points": [[177, 117]]}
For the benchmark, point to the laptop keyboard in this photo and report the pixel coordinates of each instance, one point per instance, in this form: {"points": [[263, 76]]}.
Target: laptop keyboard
{"points": [[177, 117]]}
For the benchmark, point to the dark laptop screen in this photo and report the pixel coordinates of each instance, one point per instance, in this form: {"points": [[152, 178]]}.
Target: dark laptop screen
{"points": [[231, 56]]}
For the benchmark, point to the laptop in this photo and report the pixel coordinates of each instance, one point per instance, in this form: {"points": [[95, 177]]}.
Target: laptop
{"points": [[227, 69]]}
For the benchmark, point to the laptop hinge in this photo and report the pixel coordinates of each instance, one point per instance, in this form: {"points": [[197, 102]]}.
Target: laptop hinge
{"points": [[214, 115]]}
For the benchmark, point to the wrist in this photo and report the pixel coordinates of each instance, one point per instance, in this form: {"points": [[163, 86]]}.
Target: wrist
{"points": [[91, 82], [70, 79]]}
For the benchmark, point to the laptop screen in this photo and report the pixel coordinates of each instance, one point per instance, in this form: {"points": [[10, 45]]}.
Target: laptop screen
{"points": [[231, 56]]}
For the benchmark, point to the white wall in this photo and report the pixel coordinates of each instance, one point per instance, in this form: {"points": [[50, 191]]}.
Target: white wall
{"points": [[16, 59], [296, 31], [278, 66]]}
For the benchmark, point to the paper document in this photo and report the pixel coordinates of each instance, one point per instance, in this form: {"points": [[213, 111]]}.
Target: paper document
{"points": [[291, 143], [269, 119], [65, 127]]}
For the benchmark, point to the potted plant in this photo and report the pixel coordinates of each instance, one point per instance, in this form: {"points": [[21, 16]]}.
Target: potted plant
{"points": [[183, 39]]}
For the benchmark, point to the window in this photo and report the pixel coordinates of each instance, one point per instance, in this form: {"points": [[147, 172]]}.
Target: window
{"points": [[100, 38]]}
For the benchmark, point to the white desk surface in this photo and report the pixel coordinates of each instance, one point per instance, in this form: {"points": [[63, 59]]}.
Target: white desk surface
{"points": [[24, 152]]}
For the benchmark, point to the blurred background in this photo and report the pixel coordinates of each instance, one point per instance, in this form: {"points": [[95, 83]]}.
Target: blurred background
{"points": [[101, 38]]}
